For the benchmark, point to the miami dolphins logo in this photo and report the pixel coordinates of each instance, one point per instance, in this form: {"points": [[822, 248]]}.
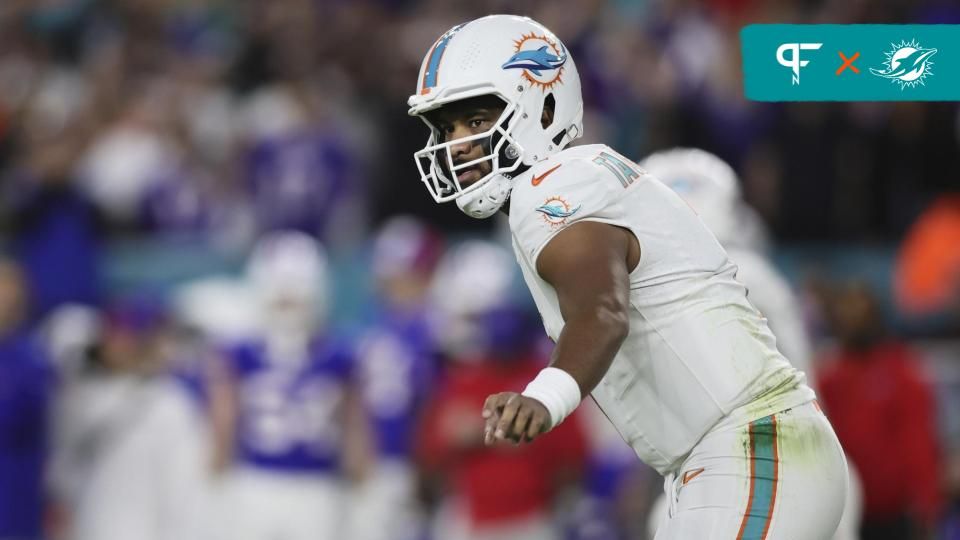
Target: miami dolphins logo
{"points": [[540, 58], [555, 211], [907, 64]]}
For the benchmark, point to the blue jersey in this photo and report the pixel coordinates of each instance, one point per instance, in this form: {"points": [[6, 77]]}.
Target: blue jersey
{"points": [[56, 228], [26, 381], [291, 414], [297, 179], [398, 363], [175, 204]]}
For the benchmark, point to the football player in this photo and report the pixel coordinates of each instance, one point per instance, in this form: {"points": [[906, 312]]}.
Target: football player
{"points": [[711, 187], [490, 342], [397, 365], [26, 388], [284, 409], [638, 295]]}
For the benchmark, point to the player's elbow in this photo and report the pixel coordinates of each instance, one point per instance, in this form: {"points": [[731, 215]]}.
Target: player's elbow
{"points": [[614, 318]]}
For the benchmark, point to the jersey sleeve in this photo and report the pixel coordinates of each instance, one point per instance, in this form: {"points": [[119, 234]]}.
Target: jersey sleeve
{"points": [[340, 358], [234, 358], [581, 189]]}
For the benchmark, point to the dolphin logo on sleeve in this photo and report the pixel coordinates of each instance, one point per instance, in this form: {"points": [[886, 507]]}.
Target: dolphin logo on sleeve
{"points": [[555, 211]]}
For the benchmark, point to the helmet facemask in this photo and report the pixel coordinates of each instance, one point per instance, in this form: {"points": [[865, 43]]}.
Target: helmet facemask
{"points": [[519, 62], [436, 163]]}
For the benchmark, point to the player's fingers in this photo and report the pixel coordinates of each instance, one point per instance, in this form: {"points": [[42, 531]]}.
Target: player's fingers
{"points": [[490, 405], [519, 426], [507, 416], [491, 412], [494, 402], [538, 424], [489, 427]]}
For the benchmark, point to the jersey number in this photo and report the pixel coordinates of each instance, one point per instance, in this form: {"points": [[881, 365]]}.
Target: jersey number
{"points": [[624, 172], [282, 416]]}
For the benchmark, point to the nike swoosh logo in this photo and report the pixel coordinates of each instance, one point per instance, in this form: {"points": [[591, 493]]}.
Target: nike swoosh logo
{"points": [[690, 475], [537, 179]]}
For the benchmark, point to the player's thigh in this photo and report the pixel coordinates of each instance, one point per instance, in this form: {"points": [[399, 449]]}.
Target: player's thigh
{"points": [[813, 479], [253, 507], [849, 528], [705, 500], [705, 523], [782, 477], [295, 507]]}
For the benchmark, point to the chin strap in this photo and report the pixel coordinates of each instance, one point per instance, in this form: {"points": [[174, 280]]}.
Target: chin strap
{"points": [[485, 202]]}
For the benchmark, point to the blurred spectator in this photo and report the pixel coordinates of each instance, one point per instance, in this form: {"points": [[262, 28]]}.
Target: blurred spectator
{"points": [[882, 407], [488, 339], [26, 382], [398, 366], [284, 407], [54, 229], [131, 154], [928, 273], [129, 445], [272, 112], [297, 168]]}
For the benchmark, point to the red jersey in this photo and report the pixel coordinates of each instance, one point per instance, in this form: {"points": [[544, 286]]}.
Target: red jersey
{"points": [[503, 482], [884, 414]]}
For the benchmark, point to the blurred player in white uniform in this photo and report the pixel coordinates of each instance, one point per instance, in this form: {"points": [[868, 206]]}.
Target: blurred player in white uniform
{"points": [[637, 293], [130, 451], [712, 188], [284, 406]]}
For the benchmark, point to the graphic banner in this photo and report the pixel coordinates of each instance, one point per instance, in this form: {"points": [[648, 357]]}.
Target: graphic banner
{"points": [[851, 62]]}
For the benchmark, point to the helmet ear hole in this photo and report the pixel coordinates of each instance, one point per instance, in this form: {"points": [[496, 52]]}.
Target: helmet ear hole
{"points": [[549, 106]]}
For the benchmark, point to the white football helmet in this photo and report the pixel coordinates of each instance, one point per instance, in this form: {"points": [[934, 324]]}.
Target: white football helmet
{"points": [[706, 182], [472, 279], [288, 272], [524, 64]]}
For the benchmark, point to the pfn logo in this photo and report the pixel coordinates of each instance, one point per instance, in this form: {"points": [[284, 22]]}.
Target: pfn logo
{"points": [[794, 62]]}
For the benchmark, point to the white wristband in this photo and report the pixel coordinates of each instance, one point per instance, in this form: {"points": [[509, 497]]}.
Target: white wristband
{"points": [[557, 390]]}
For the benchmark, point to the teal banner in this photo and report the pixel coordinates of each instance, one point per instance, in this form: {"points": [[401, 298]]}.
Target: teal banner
{"points": [[851, 62]]}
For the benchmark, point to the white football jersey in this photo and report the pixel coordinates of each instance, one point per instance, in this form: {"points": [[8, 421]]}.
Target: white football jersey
{"points": [[697, 349], [770, 293]]}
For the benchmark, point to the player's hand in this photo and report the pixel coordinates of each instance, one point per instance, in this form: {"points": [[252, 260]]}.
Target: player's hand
{"points": [[514, 417]]}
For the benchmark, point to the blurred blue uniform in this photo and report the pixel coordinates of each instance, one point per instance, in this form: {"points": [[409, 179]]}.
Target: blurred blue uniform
{"points": [[25, 387], [595, 517], [56, 227], [175, 205], [296, 180], [289, 411], [397, 367], [398, 363]]}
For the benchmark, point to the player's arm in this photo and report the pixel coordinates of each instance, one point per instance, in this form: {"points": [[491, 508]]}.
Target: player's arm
{"points": [[357, 439], [588, 264], [223, 411]]}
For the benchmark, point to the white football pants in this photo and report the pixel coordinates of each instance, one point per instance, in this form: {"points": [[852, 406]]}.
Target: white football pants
{"points": [[781, 477], [265, 505]]}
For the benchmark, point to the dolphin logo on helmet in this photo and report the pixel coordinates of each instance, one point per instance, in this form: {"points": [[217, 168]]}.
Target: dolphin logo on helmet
{"points": [[536, 61]]}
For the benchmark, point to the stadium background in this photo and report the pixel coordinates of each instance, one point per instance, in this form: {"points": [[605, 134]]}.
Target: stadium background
{"points": [[147, 144]]}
